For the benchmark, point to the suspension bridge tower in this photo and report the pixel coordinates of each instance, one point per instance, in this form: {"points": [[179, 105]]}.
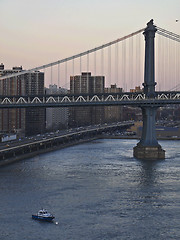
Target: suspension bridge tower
{"points": [[148, 147]]}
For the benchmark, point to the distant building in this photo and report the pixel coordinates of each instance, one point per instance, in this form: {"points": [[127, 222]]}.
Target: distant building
{"points": [[56, 118], [23, 121], [113, 113], [85, 83], [163, 132], [136, 89], [162, 129], [113, 89], [170, 113]]}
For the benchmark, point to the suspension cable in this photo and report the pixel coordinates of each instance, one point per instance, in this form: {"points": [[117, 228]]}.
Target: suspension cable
{"points": [[168, 34], [75, 56]]}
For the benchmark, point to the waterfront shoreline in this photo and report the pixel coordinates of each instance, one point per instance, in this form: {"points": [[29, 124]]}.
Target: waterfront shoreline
{"points": [[8, 161], [136, 137], [11, 160]]}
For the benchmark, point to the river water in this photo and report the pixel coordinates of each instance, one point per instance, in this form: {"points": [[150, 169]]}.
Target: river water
{"points": [[96, 190]]}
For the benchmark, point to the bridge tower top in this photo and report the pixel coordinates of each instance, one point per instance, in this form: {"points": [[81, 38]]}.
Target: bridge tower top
{"points": [[149, 76]]}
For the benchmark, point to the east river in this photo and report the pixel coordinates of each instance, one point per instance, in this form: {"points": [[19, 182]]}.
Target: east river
{"points": [[96, 190]]}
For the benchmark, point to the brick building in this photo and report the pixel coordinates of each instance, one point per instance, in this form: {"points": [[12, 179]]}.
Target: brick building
{"points": [[23, 121]]}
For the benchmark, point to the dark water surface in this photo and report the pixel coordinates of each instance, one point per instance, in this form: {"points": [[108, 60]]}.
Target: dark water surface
{"points": [[95, 190]]}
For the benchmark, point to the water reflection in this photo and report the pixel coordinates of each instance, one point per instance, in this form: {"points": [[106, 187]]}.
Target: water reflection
{"points": [[150, 191], [148, 174]]}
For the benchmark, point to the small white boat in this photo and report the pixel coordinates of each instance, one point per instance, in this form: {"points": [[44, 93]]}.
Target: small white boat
{"points": [[43, 215]]}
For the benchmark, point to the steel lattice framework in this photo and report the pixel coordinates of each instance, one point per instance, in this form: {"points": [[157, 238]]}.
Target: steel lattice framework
{"points": [[128, 98]]}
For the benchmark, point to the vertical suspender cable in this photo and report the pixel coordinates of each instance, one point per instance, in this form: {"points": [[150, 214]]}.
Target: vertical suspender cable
{"points": [[121, 66], [94, 70], [73, 77], [102, 62], [73, 83], [124, 64], [168, 66], [80, 66], [102, 116], [172, 63], [51, 75], [157, 61], [88, 73], [129, 73], [178, 64], [116, 63], [137, 59], [73, 67], [141, 62], [45, 77], [175, 63], [66, 73], [132, 64], [58, 75], [109, 66], [163, 65]]}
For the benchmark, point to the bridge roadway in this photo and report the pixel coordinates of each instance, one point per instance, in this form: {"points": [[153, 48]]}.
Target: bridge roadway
{"points": [[28, 147], [138, 99]]}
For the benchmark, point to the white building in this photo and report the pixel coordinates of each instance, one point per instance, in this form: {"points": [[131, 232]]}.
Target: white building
{"points": [[56, 118]]}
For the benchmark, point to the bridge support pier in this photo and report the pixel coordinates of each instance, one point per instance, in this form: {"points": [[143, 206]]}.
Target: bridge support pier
{"points": [[148, 147], [149, 152]]}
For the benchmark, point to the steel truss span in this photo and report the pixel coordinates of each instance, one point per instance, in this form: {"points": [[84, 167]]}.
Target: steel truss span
{"points": [[128, 98]]}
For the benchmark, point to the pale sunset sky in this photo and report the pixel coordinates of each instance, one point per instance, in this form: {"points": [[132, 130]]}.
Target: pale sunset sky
{"points": [[38, 32]]}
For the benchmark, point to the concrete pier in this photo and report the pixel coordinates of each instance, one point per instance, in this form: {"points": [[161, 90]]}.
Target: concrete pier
{"points": [[149, 152]]}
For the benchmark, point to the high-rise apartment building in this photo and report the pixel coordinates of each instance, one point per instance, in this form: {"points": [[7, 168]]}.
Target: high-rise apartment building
{"points": [[85, 83], [23, 121], [56, 118], [35, 120]]}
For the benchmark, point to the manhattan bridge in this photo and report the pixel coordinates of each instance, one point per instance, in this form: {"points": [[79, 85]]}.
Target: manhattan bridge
{"points": [[151, 61]]}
